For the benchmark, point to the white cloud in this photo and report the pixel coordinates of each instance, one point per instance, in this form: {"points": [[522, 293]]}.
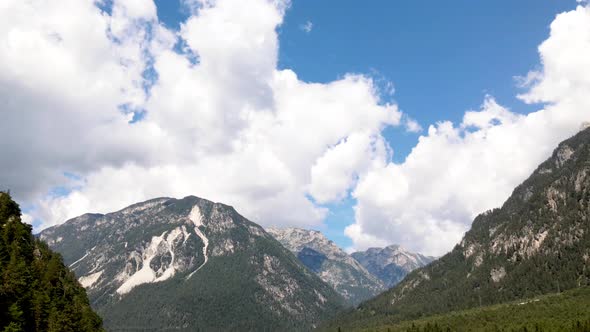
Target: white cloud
{"points": [[230, 127], [306, 27], [233, 128], [137, 9], [336, 171], [412, 126], [458, 171], [61, 81]]}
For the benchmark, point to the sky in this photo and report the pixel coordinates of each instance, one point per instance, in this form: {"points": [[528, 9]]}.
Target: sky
{"points": [[391, 122]]}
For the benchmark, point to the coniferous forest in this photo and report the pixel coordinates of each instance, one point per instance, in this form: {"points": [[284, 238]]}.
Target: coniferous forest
{"points": [[37, 292], [558, 312]]}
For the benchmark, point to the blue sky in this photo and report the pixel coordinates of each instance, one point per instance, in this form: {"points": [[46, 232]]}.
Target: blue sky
{"points": [[442, 58]]}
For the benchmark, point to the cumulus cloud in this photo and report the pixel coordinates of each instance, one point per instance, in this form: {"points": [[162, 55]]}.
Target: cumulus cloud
{"points": [[116, 108], [337, 170], [218, 119], [62, 81], [457, 171]]}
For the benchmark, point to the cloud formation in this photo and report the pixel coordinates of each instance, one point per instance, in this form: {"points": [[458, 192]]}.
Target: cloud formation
{"points": [[216, 117], [457, 171], [63, 78], [104, 109]]}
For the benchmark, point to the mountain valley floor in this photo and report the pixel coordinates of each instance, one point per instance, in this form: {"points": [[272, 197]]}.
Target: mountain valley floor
{"points": [[567, 311]]}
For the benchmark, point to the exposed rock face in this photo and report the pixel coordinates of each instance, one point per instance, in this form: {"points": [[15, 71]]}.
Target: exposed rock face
{"points": [[332, 264], [538, 242], [391, 264], [498, 274], [171, 264]]}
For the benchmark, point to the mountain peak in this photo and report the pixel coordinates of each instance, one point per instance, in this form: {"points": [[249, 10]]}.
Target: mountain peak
{"points": [[330, 262], [395, 248], [392, 263], [174, 254], [298, 238]]}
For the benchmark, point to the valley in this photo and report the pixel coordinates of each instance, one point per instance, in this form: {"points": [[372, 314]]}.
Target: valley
{"points": [[563, 312]]}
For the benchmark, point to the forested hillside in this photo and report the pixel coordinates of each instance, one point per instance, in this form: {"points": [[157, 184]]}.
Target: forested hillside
{"points": [[560, 312], [37, 292]]}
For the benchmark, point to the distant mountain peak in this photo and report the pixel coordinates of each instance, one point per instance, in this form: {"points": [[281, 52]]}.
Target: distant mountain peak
{"points": [[299, 238], [330, 262], [392, 263]]}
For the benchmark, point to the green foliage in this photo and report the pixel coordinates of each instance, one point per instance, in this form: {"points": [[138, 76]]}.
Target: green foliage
{"points": [[37, 292], [566, 311]]}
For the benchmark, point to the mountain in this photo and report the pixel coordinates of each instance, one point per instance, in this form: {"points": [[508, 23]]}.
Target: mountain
{"points": [[331, 263], [37, 292], [190, 264], [538, 242], [390, 264]]}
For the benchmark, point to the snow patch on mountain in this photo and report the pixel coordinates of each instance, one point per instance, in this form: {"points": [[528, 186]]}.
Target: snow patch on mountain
{"points": [[197, 218]]}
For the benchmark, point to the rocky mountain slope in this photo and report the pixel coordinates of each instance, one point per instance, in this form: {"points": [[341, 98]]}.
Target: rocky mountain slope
{"points": [[189, 264], [37, 292], [330, 263], [390, 264], [537, 243]]}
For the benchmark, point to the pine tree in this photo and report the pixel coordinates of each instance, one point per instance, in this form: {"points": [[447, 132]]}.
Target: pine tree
{"points": [[37, 292]]}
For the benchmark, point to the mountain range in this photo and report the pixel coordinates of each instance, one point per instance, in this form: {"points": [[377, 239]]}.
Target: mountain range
{"points": [[357, 276], [334, 266], [391, 264], [175, 254], [190, 264]]}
